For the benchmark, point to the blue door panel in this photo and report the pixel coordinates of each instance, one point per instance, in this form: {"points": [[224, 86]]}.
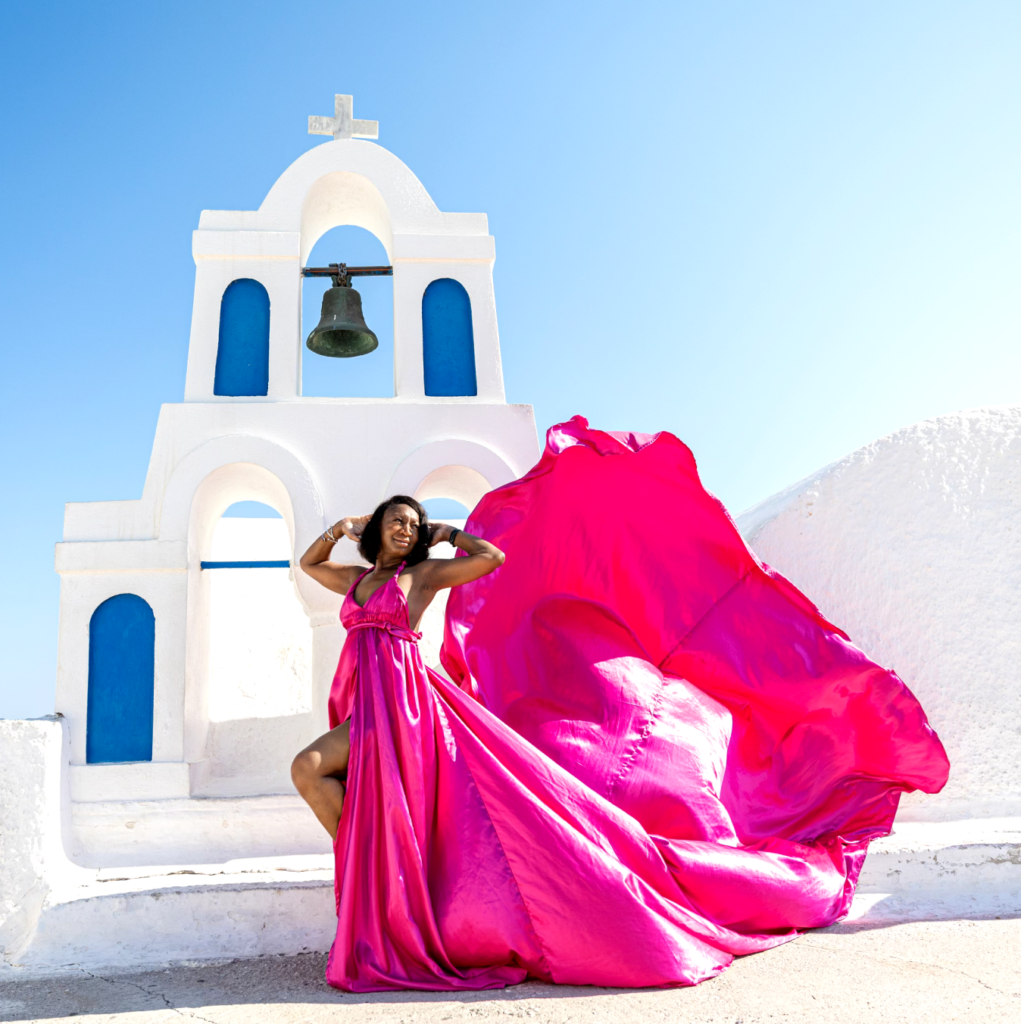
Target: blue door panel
{"points": [[242, 353], [448, 343], [122, 641]]}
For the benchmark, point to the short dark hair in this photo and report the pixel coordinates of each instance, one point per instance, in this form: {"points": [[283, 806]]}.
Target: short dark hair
{"points": [[372, 538]]}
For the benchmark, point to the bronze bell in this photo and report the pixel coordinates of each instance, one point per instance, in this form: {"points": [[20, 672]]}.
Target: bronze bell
{"points": [[341, 330]]}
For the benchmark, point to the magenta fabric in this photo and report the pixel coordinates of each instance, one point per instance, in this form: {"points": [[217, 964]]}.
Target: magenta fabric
{"points": [[659, 754]]}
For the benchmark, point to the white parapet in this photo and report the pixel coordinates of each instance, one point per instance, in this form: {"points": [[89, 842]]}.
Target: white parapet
{"points": [[152, 915], [56, 914], [31, 852]]}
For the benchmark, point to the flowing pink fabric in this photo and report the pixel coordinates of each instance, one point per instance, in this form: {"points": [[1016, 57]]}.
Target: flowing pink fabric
{"points": [[660, 755]]}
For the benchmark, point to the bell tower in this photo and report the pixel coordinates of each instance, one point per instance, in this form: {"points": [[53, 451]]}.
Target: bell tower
{"points": [[443, 336], [195, 658]]}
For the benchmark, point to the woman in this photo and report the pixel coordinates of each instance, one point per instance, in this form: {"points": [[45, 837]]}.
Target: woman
{"points": [[396, 537], [658, 753]]}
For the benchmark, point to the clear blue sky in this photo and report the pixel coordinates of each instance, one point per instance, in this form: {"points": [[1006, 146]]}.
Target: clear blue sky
{"points": [[779, 230]]}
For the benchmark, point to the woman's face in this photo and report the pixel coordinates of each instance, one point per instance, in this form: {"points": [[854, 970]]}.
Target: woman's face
{"points": [[399, 531]]}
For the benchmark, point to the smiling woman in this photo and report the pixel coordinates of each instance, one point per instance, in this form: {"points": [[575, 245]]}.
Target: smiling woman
{"points": [[406, 525], [396, 539]]}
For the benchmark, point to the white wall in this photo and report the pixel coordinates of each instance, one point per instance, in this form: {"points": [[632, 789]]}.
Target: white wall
{"points": [[912, 545], [30, 826]]}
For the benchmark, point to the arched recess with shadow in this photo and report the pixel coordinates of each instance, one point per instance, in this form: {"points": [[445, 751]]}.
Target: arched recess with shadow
{"points": [[249, 639], [121, 689], [450, 468], [242, 351], [249, 690], [448, 341]]}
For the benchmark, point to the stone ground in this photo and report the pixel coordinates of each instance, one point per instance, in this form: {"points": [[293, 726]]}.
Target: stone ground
{"points": [[939, 971]]}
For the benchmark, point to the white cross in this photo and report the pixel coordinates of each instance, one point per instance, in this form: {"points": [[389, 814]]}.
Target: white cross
{"points": [[343, 125]]}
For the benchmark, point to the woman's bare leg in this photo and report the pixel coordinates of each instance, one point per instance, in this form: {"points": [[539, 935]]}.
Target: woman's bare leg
{"points": [[314, 773]]}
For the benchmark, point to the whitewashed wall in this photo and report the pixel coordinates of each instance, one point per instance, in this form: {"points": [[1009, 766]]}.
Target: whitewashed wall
{"points": [[912, 544]]}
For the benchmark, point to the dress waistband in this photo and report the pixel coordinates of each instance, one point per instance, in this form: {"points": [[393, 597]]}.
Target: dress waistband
{"points": [[395, 629]]}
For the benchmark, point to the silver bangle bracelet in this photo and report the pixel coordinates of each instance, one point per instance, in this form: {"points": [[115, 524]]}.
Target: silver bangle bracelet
{"points": [[328, 535]]}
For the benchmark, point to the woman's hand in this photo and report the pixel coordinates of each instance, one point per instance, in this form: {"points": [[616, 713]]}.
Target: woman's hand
{"points": [[439, 532], [316, 561], [352, 527]]}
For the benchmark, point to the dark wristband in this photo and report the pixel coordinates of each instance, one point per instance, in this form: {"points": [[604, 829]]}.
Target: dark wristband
{"points": [[453, 533]]}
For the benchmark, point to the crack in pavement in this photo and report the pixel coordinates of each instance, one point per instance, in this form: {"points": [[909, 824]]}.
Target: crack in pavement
{"points": [[893, 959], [151, 993]]}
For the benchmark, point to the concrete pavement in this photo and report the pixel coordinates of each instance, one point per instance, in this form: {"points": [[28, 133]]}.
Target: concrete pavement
{"points": [[876, 969]]}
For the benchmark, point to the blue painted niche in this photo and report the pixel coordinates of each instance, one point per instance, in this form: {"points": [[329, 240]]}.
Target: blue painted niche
{"points": [[122, 640], [242, 353], [448, 344]]}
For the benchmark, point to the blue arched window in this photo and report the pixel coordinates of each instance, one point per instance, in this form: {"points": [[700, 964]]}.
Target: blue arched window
{"points": [[122, 639], [242, 354], [448, 344]]}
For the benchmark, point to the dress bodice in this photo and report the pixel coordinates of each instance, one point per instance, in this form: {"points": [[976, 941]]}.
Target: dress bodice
{"points": [[386, 608]]}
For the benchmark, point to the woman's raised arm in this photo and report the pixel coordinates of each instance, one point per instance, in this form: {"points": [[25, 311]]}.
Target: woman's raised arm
{"points": [[316, 561], [483, 558]]}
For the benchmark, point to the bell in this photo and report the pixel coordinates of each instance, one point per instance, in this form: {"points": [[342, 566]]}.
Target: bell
{"points": [[341, 330]]}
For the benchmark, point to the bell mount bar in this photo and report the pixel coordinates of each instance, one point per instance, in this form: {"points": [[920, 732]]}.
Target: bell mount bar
{"points": [[342, 273]]}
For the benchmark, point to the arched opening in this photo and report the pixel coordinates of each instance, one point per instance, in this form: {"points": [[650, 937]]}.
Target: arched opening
{"points": [[460, 485], [345, 197], [122, 641], [446, 510], [252, 510], [448, 342], [250, 639], [260, 641], [368, 376], [242, 353]]}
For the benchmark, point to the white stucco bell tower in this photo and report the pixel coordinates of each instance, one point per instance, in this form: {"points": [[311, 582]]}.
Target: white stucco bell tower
{"points": [[344, 182], [171, 727]]}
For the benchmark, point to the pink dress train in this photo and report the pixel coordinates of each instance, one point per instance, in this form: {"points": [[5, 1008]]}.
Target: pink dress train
{"points": [[659, 754]]}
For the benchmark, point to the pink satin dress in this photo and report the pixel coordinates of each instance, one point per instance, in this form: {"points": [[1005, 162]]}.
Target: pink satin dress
{"points": [[659, 754]]}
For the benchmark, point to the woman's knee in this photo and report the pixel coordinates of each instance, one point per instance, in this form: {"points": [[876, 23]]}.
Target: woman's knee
{"points": [[305, 769]]}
